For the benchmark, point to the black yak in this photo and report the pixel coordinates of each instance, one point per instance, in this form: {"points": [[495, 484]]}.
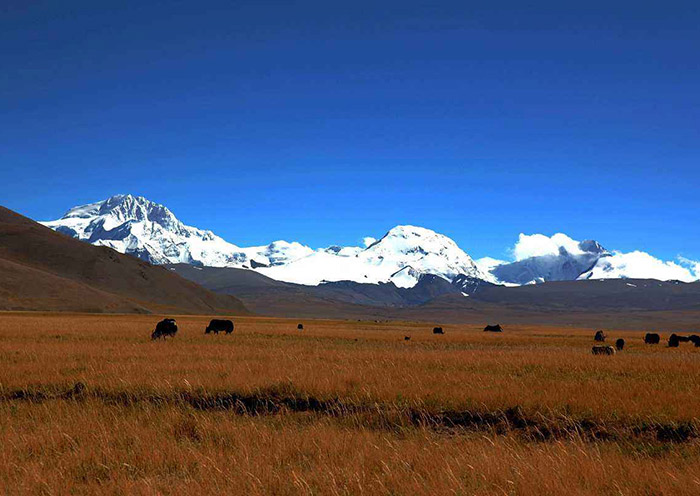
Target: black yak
{"points": [[165, 328], [599, 336], [438, 330], [652, 338], [219, 325], [493, 328], [620, 344]]}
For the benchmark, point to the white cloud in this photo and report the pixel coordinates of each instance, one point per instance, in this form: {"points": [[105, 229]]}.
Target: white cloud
{"points": [[641, 265], [632, 265], [538, 245]]}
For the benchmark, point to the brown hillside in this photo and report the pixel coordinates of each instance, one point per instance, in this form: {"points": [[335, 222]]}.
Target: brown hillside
{"points": [[44, 270]]}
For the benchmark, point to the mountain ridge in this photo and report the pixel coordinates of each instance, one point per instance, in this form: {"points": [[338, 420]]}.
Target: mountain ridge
{"points": [[403, 255]]}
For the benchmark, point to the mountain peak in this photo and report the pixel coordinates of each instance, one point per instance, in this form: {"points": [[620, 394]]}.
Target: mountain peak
{"points": [[137, 208], [424, 250], [407, 230], [146, 229], [125, 207]]}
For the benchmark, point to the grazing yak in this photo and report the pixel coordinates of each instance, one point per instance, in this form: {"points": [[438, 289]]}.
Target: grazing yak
{"points": [[675, 340], [603, 350], [165, 328], [300, 327], [620, 344], [219, 325], [407, 338], [493, 328], [652, 338], [599, 336], [438, 330], [695, 339]]}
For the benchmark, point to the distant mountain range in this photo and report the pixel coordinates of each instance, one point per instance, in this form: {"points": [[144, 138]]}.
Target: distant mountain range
{"points": [[48, 271], [404, 256]]}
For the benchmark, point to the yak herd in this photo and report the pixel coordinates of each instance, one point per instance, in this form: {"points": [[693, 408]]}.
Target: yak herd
{"points": [[168, 328], [674, 341]]}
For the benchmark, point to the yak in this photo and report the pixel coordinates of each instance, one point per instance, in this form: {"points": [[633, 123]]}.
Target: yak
{"points": [[493, 328], [652, 338], [620, 344], [603, 350], [599, 336], [438, 330], [695, 340], [673, 341], [219, 325], [165, 328], [300, 327]]}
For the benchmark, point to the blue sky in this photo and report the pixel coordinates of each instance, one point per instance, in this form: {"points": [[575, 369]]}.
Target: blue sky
{"points": [[326, 123]]}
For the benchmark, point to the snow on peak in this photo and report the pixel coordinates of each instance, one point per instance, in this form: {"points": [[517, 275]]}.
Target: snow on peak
{"points": [[150, 231], [400, 256], [276, 253], [119, 209], [424, 250]]}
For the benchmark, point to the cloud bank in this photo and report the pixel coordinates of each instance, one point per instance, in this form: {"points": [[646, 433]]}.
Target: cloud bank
{"points": [[538, 245], [615, 264], [641, 265]]}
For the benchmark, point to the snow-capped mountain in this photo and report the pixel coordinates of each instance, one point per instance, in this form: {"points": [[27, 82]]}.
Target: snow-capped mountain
{"points": [[540, 258], [149, 231], [403, 256], [565, 261]]}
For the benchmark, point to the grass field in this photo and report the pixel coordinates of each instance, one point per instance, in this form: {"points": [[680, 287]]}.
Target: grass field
{"points": [[89, 404]]}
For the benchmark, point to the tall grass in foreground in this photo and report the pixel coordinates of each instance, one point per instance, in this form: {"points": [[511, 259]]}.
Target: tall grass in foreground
{"points": [[89, 404], [66, 447]]}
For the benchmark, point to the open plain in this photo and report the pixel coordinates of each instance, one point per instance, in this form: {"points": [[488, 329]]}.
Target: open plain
{"points": [[89, 403]]}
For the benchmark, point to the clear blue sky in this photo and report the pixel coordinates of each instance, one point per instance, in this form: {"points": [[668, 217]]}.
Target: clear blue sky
{"points": [[325, 122]]}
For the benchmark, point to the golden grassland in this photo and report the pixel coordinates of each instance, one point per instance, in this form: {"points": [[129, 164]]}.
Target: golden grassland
{"points": [[89, 404]]}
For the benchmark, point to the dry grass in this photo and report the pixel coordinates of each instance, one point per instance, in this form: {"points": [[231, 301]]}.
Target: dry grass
{"points": [[340, 408]]}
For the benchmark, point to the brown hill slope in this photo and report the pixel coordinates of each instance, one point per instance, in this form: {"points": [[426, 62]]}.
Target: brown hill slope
{"points": [[44, 270]]}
